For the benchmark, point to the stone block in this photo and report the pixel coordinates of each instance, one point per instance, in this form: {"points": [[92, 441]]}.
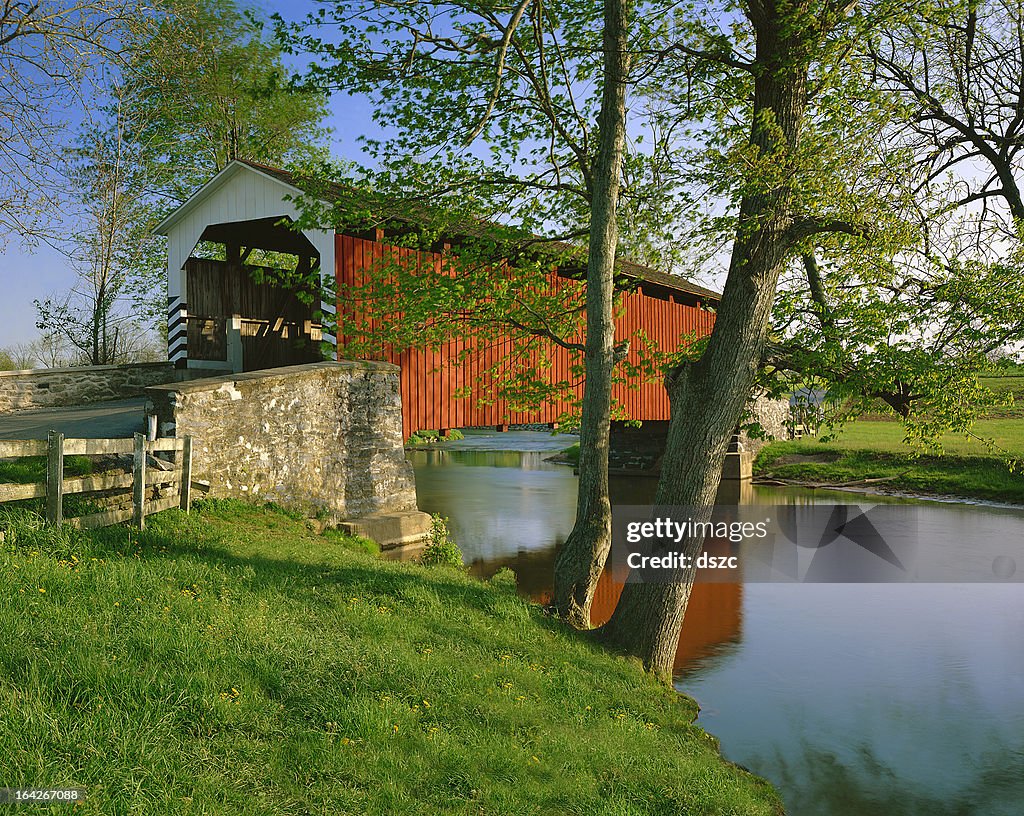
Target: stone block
{"points": [[390, 529], [54, 387], [738, 466]]}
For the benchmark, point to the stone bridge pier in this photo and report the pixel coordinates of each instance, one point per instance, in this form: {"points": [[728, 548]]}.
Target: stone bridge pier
{"points": [[638, 450]]}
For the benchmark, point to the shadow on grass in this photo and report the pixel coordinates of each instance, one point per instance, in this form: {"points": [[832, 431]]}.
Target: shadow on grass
{"points": [[321, 576], [305, 581]]}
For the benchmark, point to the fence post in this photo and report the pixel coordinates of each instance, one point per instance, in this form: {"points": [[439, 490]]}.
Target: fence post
{"points": [[55, 478], [185, 488], [139, 482], [234, 343]]}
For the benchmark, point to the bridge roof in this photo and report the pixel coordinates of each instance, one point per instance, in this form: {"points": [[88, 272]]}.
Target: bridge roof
{"points": [[333, 192]]}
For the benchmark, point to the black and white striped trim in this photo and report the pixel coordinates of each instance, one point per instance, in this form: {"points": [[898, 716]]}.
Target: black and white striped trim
{"points": [[329, 312], [177, 330]]}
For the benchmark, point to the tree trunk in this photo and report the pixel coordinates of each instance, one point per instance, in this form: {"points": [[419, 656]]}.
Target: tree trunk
{"points": [[95, 353], [582, 557], [708, 396]]}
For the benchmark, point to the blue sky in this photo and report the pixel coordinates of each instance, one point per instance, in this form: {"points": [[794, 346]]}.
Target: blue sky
{"points": [[28, 274]]}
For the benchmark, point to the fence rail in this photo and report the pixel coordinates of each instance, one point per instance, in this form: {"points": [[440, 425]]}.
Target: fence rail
{"points": [[55, 447]]}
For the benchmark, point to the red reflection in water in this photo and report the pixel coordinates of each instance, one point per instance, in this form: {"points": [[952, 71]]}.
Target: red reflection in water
{"points": [[714, 615]]}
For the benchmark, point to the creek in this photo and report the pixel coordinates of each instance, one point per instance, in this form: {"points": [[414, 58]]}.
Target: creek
{"points": [[852, 699]]}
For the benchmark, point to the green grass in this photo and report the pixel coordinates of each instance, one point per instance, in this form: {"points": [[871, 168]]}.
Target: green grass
{"points": [[1007, 434], [571, 454], [872, 449], [33, 469], [1011, 384], [235, 662], [1008, 386]]}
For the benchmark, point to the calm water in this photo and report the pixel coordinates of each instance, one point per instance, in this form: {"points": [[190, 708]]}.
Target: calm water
{"points": [[853, 699]]}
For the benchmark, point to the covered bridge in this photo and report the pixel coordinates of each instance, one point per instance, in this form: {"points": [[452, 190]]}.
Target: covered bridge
{"points": [[225, 315]]}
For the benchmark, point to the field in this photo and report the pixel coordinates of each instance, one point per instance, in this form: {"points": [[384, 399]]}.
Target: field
{"points": [[234, 661], [1009, 385], [870, 449]]}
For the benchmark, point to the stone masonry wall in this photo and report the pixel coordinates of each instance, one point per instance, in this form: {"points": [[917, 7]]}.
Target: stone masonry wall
{"points": [[773, 416], [51, 387], [323, 436]]}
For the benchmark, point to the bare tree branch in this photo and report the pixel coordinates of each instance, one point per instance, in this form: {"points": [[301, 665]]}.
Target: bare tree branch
{"points": [[499, 67]]}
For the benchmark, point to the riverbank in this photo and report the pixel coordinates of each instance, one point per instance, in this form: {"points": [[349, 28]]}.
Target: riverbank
{"points": [[234, 661], [871, 456]]}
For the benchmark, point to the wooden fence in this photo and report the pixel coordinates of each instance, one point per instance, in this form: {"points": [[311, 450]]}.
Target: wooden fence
{"points": [[56, 447]]}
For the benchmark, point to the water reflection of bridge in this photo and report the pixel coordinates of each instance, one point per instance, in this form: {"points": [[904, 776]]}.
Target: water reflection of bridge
{"points": [[713, 621], [714, 615], [515, 509]]}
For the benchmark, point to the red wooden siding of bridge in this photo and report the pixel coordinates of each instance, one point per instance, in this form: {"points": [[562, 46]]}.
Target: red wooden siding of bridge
{"points": [[431, 378]]}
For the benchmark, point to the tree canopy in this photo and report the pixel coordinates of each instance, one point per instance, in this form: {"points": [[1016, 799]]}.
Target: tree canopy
{"points": [[50, 54], [207, 85], [776, 139], [197, 83], [911, 326]]}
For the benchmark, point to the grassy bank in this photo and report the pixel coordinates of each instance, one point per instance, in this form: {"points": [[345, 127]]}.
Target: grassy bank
{"points": [[569, 456], [875, 450], [234, 662], [420, 438]]}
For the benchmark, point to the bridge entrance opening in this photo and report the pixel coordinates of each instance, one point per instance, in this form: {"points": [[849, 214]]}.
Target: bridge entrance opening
{"points": [[253, 300]]}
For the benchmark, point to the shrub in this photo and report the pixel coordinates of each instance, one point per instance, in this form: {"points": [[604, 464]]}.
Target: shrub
{"points": [[441, 549], [504, 579]]}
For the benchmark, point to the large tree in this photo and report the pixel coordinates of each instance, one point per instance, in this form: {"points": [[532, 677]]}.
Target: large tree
{"points": [[762, 108], [582, 557], [790, 56], [912, 330], [518, 79], [847, 109]]}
